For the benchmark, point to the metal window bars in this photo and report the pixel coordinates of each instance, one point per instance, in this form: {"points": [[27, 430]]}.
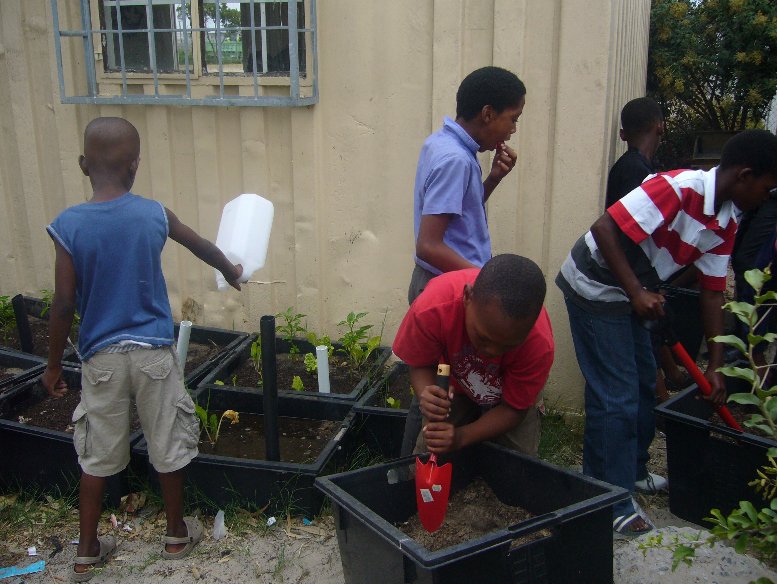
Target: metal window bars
{"points": [[176, 87]]}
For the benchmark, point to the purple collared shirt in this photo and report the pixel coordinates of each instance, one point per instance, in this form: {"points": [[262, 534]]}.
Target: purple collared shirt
{"points": [[448, 180]]}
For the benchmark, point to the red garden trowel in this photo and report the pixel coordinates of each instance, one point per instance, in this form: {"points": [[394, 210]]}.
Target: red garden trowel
{"points": [[670, 339], [433, 482]]}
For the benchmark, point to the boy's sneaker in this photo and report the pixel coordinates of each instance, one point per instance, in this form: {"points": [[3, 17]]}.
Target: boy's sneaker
{"points": [[652, 484]]}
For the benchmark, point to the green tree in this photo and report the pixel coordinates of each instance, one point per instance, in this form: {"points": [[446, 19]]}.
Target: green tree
{"points": [[711, 65]]}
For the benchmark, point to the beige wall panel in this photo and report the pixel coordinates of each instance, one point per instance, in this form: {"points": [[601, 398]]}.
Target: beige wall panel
{"points": [[339, 173]]}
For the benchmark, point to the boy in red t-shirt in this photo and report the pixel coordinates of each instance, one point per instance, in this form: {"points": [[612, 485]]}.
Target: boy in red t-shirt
{"points": [[491, 327]]}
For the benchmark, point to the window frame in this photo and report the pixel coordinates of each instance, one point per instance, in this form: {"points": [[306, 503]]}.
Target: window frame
{"points": [[190, 86]]}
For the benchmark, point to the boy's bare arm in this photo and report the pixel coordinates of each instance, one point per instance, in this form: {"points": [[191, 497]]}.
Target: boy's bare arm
{"points": [[203, 249], [63, 306], [441, 437], [646, 304], [713, 325], [431, 248]]}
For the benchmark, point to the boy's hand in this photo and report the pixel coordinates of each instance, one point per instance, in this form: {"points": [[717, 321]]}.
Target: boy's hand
{"points": [[237, 273], [504, 161], [648, 305], [53, 382], [440, 437], [718, 391], [435, 403]]}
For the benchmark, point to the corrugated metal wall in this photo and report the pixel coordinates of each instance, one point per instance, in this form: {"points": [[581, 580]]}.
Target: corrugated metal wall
{"points": [[340, 173]]}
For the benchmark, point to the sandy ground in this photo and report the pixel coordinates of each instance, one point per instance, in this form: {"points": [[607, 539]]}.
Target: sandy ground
{"points": [[290, 552]]}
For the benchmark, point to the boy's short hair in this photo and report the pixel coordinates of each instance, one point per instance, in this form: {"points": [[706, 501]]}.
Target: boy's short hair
{"points": [[754, 149], [515, 281], [492, 86], [639, 115]]}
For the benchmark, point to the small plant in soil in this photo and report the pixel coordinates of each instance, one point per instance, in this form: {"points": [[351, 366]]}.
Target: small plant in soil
{"points": [[7, 318], [213, 424], [393, 403], [310, 363], [356, 342], [291, 327], [256, 359], [297, 383], [317, 341]]}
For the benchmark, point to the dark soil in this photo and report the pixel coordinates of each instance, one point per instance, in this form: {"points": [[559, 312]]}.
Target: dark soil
{"points": [[398, 387], [199, 353], [741, 413], [343, 379], [53, 413], [300, 441], [40, 337], [472, 512]]}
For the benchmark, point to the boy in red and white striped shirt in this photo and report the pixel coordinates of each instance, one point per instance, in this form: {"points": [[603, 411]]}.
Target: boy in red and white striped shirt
{"points": [[610, 281]]}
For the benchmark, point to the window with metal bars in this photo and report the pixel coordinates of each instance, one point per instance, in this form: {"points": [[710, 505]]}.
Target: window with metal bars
{"points": [[199, 52]]}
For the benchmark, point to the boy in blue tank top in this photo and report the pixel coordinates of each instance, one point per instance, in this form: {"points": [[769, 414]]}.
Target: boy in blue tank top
{"points": [[108, 266]]}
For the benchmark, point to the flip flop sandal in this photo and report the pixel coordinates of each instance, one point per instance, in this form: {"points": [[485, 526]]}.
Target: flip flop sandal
{"points": [[623, 523], [194, 529], [107, 547]]}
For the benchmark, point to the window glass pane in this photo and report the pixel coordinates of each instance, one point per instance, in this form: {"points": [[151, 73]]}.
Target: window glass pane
{"points": [[172, 37], [272, 46]]}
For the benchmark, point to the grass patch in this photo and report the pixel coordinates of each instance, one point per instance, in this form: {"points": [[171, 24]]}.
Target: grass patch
{"points": [[561, 438]]}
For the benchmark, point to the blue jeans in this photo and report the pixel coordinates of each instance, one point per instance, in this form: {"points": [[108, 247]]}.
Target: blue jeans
{"points": [[615, 356]]}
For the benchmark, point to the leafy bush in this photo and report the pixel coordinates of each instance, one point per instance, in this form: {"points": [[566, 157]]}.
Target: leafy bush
{"points": [[357, 344]]}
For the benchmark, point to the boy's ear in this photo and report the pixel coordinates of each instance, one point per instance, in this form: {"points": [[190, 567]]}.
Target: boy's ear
{"points": [[487, 114], [622, 135], [83, 165], [467, 295], [745, 174], [134, 164]]}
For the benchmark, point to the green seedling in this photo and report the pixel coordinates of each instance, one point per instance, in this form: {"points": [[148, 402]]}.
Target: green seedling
{"points": [[297, 383], [310, 363], [256, 358], [211, 424], [321, 341], [291, 328], [357, 344], [393, 403]]}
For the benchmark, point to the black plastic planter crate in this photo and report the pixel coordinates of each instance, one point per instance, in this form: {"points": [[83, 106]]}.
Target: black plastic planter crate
{"points": [[40, 458], [709, 465], [30, 366], [377, 425], [223, 371], [226, 340], [367, 503], [221, 480]]}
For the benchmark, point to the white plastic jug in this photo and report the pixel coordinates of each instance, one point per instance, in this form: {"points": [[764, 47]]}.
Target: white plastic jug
{"points": [[244, 232]]}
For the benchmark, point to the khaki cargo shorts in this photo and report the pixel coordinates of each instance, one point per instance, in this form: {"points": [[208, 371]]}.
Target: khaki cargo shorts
{"points": [[151, 378]]}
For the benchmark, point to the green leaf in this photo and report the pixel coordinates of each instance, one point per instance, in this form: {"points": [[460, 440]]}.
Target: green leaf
{"points": [[749, 509], [297, 383], [766, 297], [741, 543], [732, 341], [682, 553], [739, 372], [745, 398], [756, 278], [744, 311]]}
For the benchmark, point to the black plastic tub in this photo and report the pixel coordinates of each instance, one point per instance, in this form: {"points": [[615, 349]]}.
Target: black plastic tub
{"points": [[576, 509], [224, 342], [284, 486], [377, 425], [29, 366], [41, 459], [223, 372], [709, 465]]}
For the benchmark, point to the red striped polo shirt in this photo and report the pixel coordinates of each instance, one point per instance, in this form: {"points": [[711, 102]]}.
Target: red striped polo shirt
{"points": [[673, 218]]}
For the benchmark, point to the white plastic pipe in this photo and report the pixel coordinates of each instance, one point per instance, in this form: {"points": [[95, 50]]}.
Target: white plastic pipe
{"points": [[323, 369], [182, 346]]}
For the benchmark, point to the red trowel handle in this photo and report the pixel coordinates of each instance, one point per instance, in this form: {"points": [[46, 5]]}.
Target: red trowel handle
{"points": [[723, 411]]}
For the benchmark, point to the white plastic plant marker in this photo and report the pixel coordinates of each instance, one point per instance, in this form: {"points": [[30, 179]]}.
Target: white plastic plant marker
{"points": [[182, 345], [323, 368], [244, 234], [219, 529]]}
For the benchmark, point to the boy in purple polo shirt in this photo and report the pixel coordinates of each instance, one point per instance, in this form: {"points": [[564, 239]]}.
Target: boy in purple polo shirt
{"points": [[449, 200]]}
